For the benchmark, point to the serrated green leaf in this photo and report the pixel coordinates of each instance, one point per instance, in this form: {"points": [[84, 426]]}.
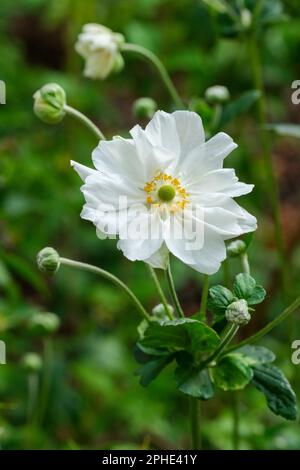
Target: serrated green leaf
{"points": [[240, 106], [254, 355], [194, 382], [257, 296], [279, 394], [231, 373], [244, 286], [219, 299]]}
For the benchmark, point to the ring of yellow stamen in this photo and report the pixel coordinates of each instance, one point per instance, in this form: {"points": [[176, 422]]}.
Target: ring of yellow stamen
{"points": [[164, 190]]}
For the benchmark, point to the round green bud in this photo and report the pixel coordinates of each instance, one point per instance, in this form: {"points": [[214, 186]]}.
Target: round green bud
{"points": [[159, 311], [49, 102], [44, 323], [217, 94], [48, 260], [236, 248], [144, 108], [237, 313], [166, 193], [32, 362]]}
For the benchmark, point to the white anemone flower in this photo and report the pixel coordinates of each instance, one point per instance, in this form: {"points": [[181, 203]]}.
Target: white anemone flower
{"points": [[177, 180], [99, 46]]}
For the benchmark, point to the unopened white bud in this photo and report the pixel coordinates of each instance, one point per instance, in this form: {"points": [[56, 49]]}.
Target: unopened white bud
{"points": [[237, 312]]}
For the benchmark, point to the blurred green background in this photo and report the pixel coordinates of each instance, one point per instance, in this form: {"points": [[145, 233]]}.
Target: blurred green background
{"points": [[89, 396]]}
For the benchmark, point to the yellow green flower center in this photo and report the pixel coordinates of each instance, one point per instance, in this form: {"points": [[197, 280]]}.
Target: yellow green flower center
{"points": [[165, 191]]}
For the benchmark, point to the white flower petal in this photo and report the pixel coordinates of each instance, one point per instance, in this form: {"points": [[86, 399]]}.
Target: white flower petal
{"points": [[82, 170], [160, 258], [142, 246], [112, 191], [208, 260], [119, 157], [154, 158], [222, 181], [206, 157], [189, 129], [162, 132]]}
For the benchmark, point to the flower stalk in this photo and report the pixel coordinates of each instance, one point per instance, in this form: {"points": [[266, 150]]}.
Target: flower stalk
{"points": [[110, 277], [160, 292], [84, 120], [173, 293], [154, 60]]}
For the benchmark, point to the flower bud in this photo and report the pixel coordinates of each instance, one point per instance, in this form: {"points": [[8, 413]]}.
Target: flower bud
{"points": [[48, 260], [246, 18], [100, 48], [32, 362], [236, 248], [49, 102], [44, 323], [217, 94], [144, 108], [237, 312], [159, 311]]}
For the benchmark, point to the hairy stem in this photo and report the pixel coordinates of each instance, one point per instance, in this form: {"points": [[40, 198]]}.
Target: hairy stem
{"points": [[204, 296], [84, 120], [173, 292], [110, 277], [160, 292], [154, 60]]}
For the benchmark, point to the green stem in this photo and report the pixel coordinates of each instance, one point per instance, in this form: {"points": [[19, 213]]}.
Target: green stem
{"points": [[226, 273], [194, 420], [173, 292], [84, 120], [229, 335], [110, 277], [285, 314], [204, 296], [153, 59], [271, 181], [245, 263], [46, 380], [160, 292], [236, 420]]}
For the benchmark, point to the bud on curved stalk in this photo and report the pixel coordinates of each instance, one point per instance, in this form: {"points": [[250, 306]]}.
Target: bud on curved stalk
{"points": [[49, 103], [144, 108], [237, 313], [44, 323], [32, 362], [48, 260], [217, 94], [236, 248]]}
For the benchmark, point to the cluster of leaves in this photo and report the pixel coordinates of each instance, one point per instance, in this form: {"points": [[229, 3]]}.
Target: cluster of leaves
{"points": [[244, 287], [191, 343]]}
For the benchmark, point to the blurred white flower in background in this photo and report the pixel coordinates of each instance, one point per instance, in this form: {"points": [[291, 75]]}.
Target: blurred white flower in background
{"points": [[100, 47], [169, 171]]}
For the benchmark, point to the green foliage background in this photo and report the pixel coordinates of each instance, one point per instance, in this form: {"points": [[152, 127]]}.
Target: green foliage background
{"points": [[94, 399]]}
